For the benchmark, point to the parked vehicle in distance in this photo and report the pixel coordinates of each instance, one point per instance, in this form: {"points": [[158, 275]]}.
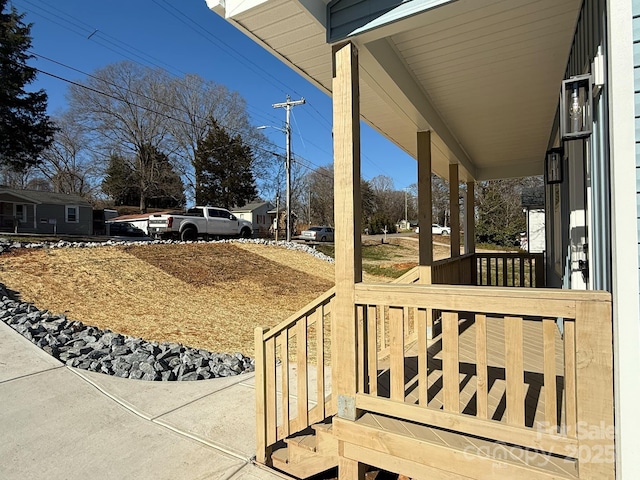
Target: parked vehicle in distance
{"points": [[125, 229], [318, 234], [437, 230], [199, 222]]}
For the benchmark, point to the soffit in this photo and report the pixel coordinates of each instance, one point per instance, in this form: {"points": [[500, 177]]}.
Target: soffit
{"points": [[489, 73]]}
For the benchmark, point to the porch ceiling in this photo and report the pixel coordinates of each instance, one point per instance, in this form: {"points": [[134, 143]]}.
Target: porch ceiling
{"points": [[483, 76]]}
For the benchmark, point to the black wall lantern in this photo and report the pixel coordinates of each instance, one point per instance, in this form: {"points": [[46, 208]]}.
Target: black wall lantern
{"points": [[576, 107], [553, 166]]}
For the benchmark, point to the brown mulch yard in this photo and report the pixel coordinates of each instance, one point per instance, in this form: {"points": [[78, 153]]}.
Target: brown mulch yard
{"points": [[208, 296]]}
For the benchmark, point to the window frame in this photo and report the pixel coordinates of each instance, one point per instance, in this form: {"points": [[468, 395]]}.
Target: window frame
{"points": [[66, 213], [23, 217]]}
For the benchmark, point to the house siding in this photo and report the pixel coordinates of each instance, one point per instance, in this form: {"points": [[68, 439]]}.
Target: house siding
{"points": [[585, 219], [348, 17]]}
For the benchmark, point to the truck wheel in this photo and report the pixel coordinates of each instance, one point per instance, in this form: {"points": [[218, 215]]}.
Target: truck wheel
{"points": [[245, 233], [189, 234], [323, 239]]}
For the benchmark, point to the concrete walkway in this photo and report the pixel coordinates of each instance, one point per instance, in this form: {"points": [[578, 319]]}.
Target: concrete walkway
{"points": [[59, 422]]}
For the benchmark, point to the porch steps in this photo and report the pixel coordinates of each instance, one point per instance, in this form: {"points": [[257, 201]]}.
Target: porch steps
{"points": [[419, 451], [307, 453]]}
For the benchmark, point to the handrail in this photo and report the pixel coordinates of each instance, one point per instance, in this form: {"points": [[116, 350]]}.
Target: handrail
{"points": [[411, 276], [300, 340]]}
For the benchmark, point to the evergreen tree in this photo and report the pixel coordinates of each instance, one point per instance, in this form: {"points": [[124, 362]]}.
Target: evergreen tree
{"points": [[163, 186], [120, 183], [25, 128], [223, 170]]}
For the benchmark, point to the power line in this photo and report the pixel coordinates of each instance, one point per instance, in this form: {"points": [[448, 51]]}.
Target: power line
{"points": [[169, 117]]}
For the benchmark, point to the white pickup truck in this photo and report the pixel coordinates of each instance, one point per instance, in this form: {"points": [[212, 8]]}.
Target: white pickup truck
{"points": [[205, 222]]}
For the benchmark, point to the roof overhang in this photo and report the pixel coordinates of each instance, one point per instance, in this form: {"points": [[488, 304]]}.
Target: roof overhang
{"points": [[484, 77]]}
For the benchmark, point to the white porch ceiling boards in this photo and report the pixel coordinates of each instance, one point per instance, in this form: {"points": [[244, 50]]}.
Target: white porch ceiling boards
{"points": [[484, 76]]}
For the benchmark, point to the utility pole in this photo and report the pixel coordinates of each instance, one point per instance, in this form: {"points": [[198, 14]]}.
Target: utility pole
{"points": [[288, 105], [406, 214]]}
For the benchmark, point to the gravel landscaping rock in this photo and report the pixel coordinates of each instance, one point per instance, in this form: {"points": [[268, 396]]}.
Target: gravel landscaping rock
{"points": [[81, 346], [8, 245]]}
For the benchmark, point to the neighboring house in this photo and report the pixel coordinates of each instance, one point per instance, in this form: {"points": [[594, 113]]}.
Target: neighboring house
{"points": [[473, 91], [258, 214], [533, 205], [31, 211]]}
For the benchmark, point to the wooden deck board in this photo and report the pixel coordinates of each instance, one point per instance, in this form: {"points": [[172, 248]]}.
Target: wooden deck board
{"points": [[470, 445]]}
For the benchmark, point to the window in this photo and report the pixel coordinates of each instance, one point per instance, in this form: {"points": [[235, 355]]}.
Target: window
{"points": [[21, 213], [72, 214]]}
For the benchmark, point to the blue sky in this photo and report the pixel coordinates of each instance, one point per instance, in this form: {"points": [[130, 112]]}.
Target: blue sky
{"points": [[186, 37]]}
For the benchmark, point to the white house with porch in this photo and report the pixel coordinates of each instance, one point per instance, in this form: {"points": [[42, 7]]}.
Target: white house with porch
{"points": [[478, 366]]}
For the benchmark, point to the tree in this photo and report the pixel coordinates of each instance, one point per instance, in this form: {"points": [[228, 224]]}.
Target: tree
{"points": [[126, 105], [119, 182], [67, 163], [320, 183], [25, 128], [196, 102], [223, 170], [499, 210], [162, 185]]}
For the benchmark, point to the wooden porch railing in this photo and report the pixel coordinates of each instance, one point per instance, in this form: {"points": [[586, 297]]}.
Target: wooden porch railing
{"points": [[500, 356], [497, 269], [293, 374], [510, 269]]}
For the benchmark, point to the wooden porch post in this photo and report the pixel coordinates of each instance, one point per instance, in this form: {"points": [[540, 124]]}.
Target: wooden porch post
{"points": [[425, 205], [425, 212], [454, 209], [348, 266], [470, 219]]}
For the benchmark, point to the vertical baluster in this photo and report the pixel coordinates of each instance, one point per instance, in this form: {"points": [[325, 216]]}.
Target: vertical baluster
{"points": [[450, 362], [550, 398], [271, 400], [522, 284], [505, 277], [514, 370], [319, 316], [513, 272], [479, 268], [361, 365], [571, 415], [284, 371], [423, 336], [302, 363], [482, 380], [372, 348], [261, 395], [396, 340]]}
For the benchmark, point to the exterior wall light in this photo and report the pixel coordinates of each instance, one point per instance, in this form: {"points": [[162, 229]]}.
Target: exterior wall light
{"points": [[553, 166], [576, 108]]}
